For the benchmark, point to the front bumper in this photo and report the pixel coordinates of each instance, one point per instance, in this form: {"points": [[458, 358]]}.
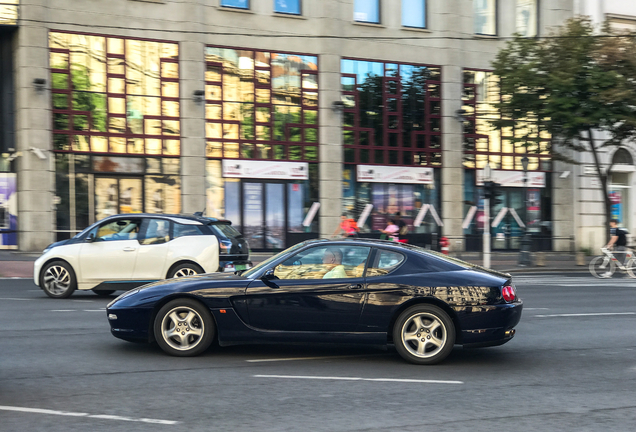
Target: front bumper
{"points": [[131, 324]]}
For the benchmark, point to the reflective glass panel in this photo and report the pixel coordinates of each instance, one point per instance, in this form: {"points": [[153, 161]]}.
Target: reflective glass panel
{"points": [[485, 17], [241, 4], [414, 13], [287, 6], [366, 11]]}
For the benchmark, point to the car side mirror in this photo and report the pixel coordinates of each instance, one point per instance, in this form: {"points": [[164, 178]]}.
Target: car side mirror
{"points": [[90, 238], [269, 275]]}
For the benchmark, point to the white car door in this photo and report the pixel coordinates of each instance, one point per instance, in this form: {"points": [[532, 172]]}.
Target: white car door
{"points": [[153, 250], [111, 252]]}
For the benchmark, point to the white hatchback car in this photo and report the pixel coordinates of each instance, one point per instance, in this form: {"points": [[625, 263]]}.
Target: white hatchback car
{"points": [[125, 251]]}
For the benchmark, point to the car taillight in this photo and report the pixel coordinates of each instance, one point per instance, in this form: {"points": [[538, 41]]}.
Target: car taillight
{"points": [[508, 293], [225, 246]]}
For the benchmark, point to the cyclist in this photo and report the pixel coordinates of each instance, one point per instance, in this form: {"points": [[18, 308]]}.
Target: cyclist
{"points": [[618, 238]]}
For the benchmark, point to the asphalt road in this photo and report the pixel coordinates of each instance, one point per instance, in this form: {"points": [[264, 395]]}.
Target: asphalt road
{"points": [[571, 367]]}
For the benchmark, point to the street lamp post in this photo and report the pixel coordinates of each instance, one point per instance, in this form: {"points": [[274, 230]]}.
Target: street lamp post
{"points": [[525, 258]]}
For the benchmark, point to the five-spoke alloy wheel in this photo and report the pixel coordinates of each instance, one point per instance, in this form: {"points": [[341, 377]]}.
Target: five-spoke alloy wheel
{"points": [[185, 270], [184, 327], [424, 334], [57, 279]]}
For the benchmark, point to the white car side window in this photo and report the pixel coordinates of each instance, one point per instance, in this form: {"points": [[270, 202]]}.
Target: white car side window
{"points": [[122, 229]]}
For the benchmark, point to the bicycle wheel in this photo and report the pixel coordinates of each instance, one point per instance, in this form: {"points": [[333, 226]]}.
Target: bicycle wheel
{"points": [[630, 267], [602, 267]]}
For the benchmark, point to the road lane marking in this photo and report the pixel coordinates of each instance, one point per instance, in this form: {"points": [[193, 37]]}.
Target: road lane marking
{"points": [[586, 314], [86, 415], [527, 309], [16, 299], [95, 310], [328, 378], [309, 358], [63, 310], [75, 310]]}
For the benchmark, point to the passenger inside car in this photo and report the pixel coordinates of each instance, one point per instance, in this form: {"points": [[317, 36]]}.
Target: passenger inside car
{"points": [[333, 260]]}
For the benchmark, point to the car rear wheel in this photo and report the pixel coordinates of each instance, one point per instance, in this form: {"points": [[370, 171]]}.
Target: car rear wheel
{"points": [[184, 328], [103, 293], [424, 334], [57, 279], [185, 270]]}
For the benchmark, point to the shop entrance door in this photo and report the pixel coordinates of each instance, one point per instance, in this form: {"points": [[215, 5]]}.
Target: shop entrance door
{"points": [[116, 195], [508, 233], [264, 216]]}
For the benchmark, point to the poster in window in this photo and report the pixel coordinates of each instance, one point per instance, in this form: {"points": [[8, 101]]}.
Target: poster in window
{"points": [[534, 210], [8, 211]]}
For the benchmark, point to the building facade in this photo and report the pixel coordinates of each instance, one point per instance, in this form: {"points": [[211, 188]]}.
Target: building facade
{"points": [[255, 110]]}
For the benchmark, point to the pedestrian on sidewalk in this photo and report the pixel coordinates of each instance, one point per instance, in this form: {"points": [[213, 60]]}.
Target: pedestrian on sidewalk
{"points": [[348, 226]]}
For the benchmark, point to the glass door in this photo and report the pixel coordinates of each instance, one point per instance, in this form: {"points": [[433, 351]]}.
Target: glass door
{"points": [[253, 210], [275, 215], [116, 196]]}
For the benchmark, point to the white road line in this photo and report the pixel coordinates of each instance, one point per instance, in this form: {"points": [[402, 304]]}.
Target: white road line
{"points": [[406, 380], [95, 310], [63, 310], [586, 314], [96, 416], [16, 299], [527, 309]]}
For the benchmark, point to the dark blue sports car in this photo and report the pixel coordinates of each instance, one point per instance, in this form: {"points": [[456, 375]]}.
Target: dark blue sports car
{"points": [[349, 291]]}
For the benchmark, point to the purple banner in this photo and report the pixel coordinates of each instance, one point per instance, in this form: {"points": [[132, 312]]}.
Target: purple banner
{"points": [[8, 211]]}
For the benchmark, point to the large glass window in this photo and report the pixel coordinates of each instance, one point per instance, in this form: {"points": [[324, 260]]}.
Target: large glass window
{"points": [[9, 12], [366, 11], [483, 144], [261, 105], [526, 13], [392, 113], [325, 262], [114, 95], [485, 17], [287, 6], [239, 4], [414, 13]]}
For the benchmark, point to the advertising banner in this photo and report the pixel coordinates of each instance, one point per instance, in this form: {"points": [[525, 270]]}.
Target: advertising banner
{"points": [[513, 178], [265, 170], [391, 174], [8, 211], [534, 210]]}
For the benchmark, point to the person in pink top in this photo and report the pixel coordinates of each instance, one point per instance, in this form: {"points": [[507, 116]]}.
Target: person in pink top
{"points": [[392, 230]]}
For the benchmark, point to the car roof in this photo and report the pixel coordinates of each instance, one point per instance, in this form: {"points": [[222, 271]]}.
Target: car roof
{"points": [[172, 217], [361, 241]]}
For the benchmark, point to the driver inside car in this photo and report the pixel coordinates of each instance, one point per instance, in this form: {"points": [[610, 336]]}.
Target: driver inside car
{"points": [[332, 259]]}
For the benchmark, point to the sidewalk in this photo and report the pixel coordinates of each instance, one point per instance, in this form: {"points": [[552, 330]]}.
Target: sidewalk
{"points": [[20, 264]]}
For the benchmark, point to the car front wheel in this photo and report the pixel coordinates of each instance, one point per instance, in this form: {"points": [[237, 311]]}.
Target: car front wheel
{"points": [[184, 328], [424, 334], [57, 279]]}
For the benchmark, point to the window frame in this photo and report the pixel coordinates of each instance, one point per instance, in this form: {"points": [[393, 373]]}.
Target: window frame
{"points": [[247, 6], [536, 12], [375, 259], [425, 17], [433, 155], [299, 13], [495, 15], [379, 12]]}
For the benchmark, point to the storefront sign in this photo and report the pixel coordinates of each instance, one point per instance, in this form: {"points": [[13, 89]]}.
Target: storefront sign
{"points": [[513, 178], [390, 174], [265, 170]]}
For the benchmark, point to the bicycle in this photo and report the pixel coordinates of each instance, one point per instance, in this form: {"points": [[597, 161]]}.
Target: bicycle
{"points": [[605, 265]]}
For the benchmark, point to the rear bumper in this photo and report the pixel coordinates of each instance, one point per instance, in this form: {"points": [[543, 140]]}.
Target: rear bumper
{"points": [[491, 327], [229, 264]]}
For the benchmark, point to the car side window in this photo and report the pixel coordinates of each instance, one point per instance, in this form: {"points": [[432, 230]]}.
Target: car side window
{"points": [[121, 229], [384, 263], [183, 230], [157, 232], [325, 262]]}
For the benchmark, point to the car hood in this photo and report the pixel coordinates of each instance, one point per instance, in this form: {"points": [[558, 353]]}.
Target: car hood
{"points": [[196, 283], [58, 243]]}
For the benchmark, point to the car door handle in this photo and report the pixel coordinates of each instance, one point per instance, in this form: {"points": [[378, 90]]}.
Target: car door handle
{"points": [[129, 249], [355, 286]]}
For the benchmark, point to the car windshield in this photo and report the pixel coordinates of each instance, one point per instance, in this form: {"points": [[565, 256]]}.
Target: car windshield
{"points": [[249, 273], [226, 230]]}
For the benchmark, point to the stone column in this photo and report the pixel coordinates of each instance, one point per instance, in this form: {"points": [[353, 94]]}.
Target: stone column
{"points": [[331, 150], [192, 64], [452, 149], [36, 176]]}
